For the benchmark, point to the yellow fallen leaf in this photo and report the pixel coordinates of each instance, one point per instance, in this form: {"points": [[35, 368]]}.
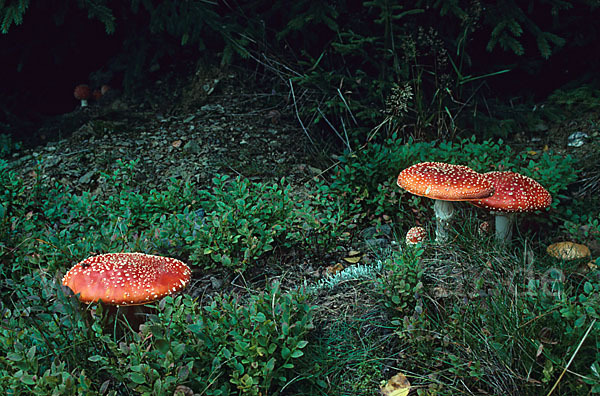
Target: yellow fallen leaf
{"points": [[352, 260], [398, 385], [354, 257], [532, 152]]}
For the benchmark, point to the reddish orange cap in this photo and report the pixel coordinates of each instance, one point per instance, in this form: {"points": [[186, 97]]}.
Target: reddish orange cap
{"points": [[126, 278], [447, 182], [514, 193], [415, 235], [82, 92]]}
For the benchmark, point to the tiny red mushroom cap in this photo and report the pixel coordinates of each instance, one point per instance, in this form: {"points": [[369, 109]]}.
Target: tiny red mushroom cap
{"points": [[127, 278], [415, 235], [447, 182], [82, 92], [514, 193]]}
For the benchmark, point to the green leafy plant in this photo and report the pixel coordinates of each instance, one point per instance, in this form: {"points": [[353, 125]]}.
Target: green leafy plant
{"points": [[402, 285], [225, 347]]}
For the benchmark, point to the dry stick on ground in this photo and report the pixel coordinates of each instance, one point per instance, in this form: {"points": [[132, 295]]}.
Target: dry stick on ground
{"points": [[572, 357], [346, 141], [297, 114]]}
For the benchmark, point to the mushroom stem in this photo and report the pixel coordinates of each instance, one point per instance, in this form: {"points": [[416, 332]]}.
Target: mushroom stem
{"points": [[444, 211], [84, 102], [504, 226]]}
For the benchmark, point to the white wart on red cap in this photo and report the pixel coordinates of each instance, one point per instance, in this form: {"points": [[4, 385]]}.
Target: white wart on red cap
{"points": [[448, 182], [515, 193], [415, 235], [127, 278]]}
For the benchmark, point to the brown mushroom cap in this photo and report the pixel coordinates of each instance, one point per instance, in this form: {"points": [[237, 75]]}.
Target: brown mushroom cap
{"points": [[415, 235], [126, 278], [82, 92], [514, 193], [446, 182], [568, 251]]}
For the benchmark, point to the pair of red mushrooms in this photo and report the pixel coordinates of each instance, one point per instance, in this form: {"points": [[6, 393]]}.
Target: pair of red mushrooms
{"points": [[503, 193], [83, 93]]}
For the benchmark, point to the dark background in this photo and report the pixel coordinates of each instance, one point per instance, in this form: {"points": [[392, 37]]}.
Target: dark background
{"points": [[59, 45]]}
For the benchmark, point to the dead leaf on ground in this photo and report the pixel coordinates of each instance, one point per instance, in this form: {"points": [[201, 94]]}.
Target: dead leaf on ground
{"points": [[568, 251], [539, 351], [182, 390], [334, 269], [398, 385], [354, 257]]}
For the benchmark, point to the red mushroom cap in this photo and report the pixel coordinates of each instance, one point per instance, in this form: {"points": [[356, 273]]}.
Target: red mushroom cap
{"points": [[126, 278], [514, 193], [446, 182], [415, 235], [82, 92]]}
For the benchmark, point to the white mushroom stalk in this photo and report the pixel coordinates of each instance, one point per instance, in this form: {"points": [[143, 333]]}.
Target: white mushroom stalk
{"points": [[504, 225], [514, 193], [444, 212], [444, 183]]}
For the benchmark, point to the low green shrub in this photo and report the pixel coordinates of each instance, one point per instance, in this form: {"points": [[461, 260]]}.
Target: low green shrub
{"points": [[225, 347], [402, 285], [241, 221], [7, 145], [43, 337], [52, 345]]}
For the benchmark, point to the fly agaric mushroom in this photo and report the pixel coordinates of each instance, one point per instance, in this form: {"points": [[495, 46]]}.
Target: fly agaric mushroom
{"points": [[82, 92], [444, 183], [126, 278], [513, 193], [416, 235], [484, 228]]}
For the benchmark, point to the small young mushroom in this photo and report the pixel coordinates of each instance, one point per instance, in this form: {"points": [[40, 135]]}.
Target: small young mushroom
{"points": [[513, 193], [444, 183], [416, 235], [82, 92], [484, 228]]}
